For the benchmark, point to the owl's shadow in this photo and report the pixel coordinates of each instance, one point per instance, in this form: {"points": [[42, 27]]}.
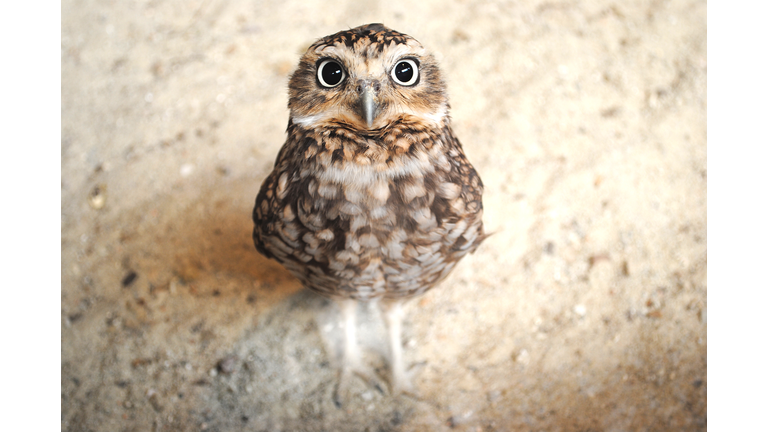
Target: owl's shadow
{"points": [[206, 245], [302, 338], [205, 241]]}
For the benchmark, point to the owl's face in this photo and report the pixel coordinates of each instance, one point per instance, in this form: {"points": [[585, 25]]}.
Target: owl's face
{"points": [[365, 79]]}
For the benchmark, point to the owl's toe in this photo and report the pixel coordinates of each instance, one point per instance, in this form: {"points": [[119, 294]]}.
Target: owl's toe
{"points": [[401, 381], [345, 385]]}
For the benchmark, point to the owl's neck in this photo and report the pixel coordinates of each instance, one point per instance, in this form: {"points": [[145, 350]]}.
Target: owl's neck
{"points": [[342, 155]]}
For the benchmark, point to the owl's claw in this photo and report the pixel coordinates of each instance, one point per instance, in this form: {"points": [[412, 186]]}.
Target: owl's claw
{"points": [[402, 381], [344, 385]]}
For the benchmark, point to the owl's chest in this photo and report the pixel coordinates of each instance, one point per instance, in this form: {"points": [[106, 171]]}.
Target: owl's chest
{"points": [[380, 195], [396, 225], [366, 228]]}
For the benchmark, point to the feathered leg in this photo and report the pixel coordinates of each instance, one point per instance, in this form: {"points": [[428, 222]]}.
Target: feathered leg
{"points": [[393, 316], [351, 362]]}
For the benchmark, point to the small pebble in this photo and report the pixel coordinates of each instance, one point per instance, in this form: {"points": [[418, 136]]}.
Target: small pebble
{"points": [[186, 169], [523, 357], [580, 310], [98, 197], [227, 365], [172, 286], [129, 279]]}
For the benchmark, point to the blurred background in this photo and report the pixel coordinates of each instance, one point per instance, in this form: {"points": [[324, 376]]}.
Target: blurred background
{"points": [[585, 310]]}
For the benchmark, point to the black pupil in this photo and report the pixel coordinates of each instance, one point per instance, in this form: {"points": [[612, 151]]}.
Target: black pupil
{"points": [[332, 73], [404, 72]]}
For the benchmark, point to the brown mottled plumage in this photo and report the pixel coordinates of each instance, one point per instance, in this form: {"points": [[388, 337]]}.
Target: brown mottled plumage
{"points": [[371, 196]]}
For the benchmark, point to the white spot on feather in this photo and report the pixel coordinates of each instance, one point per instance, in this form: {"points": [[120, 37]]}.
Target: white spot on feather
{"points": [[449, 190], [306, 121], [413, 190], [325, 235], [282, 186], [327, 191]]}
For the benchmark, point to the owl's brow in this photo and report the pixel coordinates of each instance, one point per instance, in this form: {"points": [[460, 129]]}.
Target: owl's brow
{"points": [[396, 51], [350, 38]]}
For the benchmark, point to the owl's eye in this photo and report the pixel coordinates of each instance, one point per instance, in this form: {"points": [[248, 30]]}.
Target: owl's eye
{"points": [[330, 73], [406, 72]]}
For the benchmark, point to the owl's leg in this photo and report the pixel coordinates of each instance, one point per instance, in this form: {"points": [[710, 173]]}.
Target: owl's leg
{"points": [[393, 316], [351, 362]]}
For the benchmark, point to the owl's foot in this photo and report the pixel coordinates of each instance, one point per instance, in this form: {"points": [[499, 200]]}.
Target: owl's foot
{"points": [[401, 380], [345, 384]]}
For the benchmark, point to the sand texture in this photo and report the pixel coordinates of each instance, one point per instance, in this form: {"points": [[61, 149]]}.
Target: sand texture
{"points": [[586, 310]]}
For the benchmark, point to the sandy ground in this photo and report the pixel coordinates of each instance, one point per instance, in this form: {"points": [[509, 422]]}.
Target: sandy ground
{"points": [[585, 311]]}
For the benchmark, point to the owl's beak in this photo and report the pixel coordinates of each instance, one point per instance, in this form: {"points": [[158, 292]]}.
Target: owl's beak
{"points": [[368, 101]]}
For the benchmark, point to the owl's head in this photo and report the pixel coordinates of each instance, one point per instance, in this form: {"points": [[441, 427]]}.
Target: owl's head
{"points": [[365, 79]]}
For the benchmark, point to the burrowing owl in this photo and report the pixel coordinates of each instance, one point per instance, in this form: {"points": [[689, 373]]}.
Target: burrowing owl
{"points": [[371, 196]]}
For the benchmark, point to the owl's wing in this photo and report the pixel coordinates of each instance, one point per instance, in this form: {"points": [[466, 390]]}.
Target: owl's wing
{"points": [[265, 213], [460, 211]]}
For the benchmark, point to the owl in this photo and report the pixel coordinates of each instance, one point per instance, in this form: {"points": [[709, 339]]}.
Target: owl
{"points": [[371, 197]]}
